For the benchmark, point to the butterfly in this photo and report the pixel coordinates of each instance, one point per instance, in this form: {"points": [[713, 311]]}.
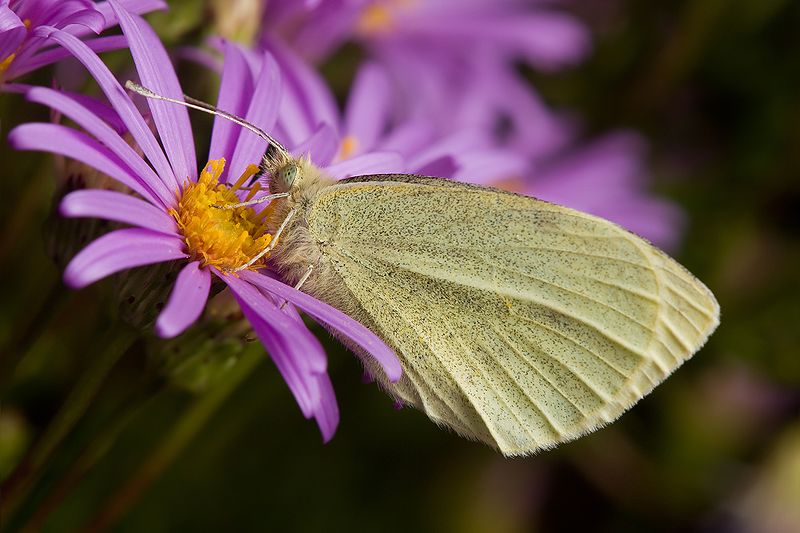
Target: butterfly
{"points": [[518, 323]]}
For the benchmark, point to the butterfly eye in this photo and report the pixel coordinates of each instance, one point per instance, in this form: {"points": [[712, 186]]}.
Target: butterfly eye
{"points": [[286, 176]]}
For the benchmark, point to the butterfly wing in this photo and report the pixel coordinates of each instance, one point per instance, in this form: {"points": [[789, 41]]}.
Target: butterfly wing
{"points": [[519, 323]]}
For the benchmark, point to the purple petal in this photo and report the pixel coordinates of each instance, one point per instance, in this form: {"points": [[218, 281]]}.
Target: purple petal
{"points": [[327, 412], [307, 100], [615, 162], [263, 112], [236, 88], [120, 250], [368, 106], [12, 32], [607, 178], [186, 302], [409, 138], [48, 12], [94, 106], [157, 73], [536, 129], [485, 166], [41, 59], [203, 58], [547, 40], [16, 88], [334, 318], [443, 167], [286, 321], [79, 146], [119, 207], [138, 7], [312, 391], [371, 163], [659, 221], [120, 102], [458, 143], [321, 147], [63, 103], [88, 18], [289, 343], [332, 24]]}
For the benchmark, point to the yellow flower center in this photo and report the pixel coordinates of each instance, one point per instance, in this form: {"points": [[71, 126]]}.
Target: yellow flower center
{"points": [[348, 147], [222, 238]]}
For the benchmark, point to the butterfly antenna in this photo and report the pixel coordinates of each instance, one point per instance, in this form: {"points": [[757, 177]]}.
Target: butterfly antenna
{"points": [[208, 108]]}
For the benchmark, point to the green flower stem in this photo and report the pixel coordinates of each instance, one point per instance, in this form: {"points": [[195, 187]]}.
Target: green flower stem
{"points": [[192, 421], [19, 484], [90, 456], [28, 330]]}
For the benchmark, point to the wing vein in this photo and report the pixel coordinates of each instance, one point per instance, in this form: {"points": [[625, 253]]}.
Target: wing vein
{"points": [[533, 367], [405, 241], [592, 387], [500, 396], [647, 296], [691, 302], [598, 302], [441, 275], [421, 375]]}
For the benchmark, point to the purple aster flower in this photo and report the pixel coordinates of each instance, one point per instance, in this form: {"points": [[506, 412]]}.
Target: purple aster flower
{"points": [[22, 50], [174, 218]]}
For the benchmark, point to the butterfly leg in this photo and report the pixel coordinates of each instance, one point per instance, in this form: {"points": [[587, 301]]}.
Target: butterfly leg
{"points": [[300, 283], [271, 244]]}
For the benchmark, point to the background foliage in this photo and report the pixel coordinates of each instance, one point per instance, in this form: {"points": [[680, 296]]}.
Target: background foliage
{"points": [[714, 86]]}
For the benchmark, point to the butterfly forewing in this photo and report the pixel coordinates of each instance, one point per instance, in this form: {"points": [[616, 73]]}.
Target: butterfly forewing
{"points": [[519, 323]]}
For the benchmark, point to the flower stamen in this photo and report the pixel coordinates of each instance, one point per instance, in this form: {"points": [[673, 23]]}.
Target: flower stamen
{"points": [[4, 64], [253, 191], [248, 173], [226, 237]]}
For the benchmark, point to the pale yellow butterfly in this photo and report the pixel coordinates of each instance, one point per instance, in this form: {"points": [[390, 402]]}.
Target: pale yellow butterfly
{"points": [[518, 323]]}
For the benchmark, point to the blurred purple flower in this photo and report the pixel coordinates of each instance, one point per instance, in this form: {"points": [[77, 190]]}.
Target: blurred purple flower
{"points": [[173, 220], [451, 62], [450, 133], [514, 29], [22, 50], [443, 69], [366, 138], [605, 177]]}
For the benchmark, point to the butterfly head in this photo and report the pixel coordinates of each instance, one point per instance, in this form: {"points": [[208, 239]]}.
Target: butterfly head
{"points": [[280, 168], [288, 174]]}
